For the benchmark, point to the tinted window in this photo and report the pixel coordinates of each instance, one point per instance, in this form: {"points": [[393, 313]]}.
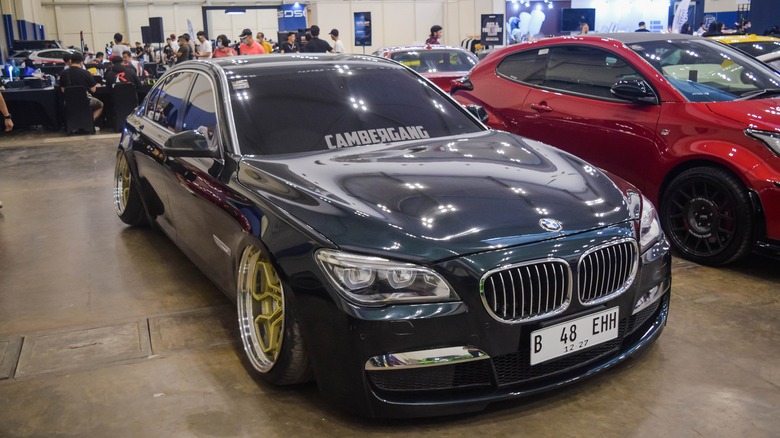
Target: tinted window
{"points": [[759, 48], [169, 105], [586, 70], [291, 108], [201, 112], [431, 61], [528, 67]]}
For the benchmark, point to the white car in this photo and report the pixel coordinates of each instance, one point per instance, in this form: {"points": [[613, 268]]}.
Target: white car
{"points": [[35, 58]]}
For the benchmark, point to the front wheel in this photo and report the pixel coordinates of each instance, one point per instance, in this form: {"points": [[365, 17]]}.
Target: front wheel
{"points": [[269, 328], [708, 216]]}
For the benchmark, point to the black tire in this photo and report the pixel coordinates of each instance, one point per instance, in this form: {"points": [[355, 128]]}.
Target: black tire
{"points": [[275, 347], [708, 216], [127, 200]]}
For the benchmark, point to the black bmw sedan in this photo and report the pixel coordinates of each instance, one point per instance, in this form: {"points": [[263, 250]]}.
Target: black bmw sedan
{"points": [[378, 238]]}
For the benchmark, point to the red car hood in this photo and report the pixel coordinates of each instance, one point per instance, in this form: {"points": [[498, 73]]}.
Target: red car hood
{"points": [[759, 114]]}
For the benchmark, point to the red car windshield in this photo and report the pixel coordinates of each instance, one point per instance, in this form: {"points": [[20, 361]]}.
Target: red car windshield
{"points": [[706, 71]]}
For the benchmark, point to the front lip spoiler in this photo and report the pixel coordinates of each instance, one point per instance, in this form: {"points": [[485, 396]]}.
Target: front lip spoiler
{"points": [[476, 403]]}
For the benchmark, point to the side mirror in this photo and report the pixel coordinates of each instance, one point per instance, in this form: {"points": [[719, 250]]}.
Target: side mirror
{"points": [[634, 90], [189, 144], [478, 112]]}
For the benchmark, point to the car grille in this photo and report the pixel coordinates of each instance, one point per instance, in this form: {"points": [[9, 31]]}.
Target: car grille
{"points": [[606, 271], [528, 291]]}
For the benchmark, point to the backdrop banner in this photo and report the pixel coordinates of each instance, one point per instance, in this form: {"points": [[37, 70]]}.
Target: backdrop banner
{"points": [[290, 18], [492, 29], [362, 29]]}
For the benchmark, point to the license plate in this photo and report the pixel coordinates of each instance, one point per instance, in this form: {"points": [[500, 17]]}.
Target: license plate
{"points": [[573, 336]]}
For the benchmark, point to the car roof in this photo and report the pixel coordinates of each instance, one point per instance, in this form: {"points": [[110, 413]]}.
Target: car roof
{"points": [[236, 64], [641, 37], [420, 47]]}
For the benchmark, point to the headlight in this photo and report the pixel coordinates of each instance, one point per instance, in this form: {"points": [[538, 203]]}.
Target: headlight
{"points": [[771, 139], [377, 281], [649, 225]]}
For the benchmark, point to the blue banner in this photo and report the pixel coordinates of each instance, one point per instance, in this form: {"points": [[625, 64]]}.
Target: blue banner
{"points": [[362, 29], [291, 17]]}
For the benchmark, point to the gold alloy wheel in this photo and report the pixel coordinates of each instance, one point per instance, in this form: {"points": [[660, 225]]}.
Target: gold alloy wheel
{"points": [[122, 183], [260, 309]]}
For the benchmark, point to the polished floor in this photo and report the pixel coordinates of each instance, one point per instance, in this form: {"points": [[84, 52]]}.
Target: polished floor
{"points": [[109, 331]]}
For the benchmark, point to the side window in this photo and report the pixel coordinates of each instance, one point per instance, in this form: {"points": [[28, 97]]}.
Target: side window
{"points": [[586, 70], [170, 101], [201, 114], [151, 110], [527, 67]]}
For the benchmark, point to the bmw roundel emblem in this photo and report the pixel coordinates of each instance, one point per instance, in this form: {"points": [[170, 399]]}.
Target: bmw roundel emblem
{"points": [[550, 224]]}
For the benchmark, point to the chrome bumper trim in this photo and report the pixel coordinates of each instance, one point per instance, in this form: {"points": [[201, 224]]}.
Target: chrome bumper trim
{"points": [[424, 358]]}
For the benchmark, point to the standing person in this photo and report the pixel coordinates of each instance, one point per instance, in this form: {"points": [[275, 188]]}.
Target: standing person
{"points": [[700, 31], [184, 49], [338, 46], [121, 73], [715, 29], [76, 75], [433, 38], [642, 27], [119, 47], [174, 43], [266, 45], [204, 46], [290, 46], [9, 123], [223, 48], [584, 27], [248, 44], [316, 45]]}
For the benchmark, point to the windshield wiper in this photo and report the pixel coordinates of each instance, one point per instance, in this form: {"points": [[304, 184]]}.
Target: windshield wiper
{"points": [[757, 93]]}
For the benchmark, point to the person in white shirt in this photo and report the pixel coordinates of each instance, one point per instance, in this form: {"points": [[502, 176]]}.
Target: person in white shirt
{"points": [[203, 49], [119, 46], [338, 46]]}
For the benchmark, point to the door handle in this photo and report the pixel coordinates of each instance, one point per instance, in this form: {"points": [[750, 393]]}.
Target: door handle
{"points": [[541, 107]]}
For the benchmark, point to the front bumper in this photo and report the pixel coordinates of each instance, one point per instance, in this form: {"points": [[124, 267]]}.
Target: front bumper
{"points": [[450, 358]]}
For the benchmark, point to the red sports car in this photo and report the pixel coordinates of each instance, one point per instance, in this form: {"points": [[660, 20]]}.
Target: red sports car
{"points": [[693, 123], [440, 64]]}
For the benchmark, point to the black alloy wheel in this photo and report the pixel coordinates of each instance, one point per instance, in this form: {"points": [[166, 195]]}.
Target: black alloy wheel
{"points": [[708, 216]]}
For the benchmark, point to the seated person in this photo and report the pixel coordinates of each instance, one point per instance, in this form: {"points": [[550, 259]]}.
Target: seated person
{"points": [[121, 73]]}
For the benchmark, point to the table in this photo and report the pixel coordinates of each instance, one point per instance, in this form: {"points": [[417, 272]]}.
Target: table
{"points": [[34, 106]]}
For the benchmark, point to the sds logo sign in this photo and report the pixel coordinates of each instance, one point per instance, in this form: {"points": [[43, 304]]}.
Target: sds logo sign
{"points": [[297, 13]]}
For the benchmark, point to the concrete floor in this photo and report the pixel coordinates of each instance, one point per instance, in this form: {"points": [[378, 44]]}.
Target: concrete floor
{"points": [[123, 337]]}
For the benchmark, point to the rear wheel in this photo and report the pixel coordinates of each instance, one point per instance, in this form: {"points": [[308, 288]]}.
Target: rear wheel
{"points": [[269, 328], [127, 200], [708, 216]]}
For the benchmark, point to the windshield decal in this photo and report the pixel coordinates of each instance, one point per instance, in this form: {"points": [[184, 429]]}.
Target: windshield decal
{"points": [[372, 136]]}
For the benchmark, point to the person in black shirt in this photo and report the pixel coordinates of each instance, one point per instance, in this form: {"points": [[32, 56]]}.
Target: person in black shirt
{"points": [[316, 45], [121, 73], [76, 75], [290, 46]]}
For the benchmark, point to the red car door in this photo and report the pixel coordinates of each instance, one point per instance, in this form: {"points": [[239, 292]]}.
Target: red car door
{"points": [[573, 109]]}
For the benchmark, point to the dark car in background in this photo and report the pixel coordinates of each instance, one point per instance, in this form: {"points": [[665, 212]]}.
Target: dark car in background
{"points": [[693, 123], [440, 64], [378, 238]]}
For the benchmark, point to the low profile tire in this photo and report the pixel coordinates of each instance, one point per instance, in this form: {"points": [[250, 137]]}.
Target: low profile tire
{"points": [[269, 328], [127, 200], [708, 216]]}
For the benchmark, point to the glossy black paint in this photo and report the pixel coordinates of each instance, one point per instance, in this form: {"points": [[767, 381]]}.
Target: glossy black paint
{"points": [[460, 205]]}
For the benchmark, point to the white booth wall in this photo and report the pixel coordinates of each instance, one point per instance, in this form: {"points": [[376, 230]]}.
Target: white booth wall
{"points": [[625, 15], [394, 22]]}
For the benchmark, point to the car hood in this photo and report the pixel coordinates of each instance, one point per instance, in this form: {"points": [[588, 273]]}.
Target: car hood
{"points": [[438, 198], [753, 113]]}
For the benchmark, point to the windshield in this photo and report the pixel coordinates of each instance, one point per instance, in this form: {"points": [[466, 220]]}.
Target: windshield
{"points": [[756, 48], [433, 61], [706, 71], [303, 107]]}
